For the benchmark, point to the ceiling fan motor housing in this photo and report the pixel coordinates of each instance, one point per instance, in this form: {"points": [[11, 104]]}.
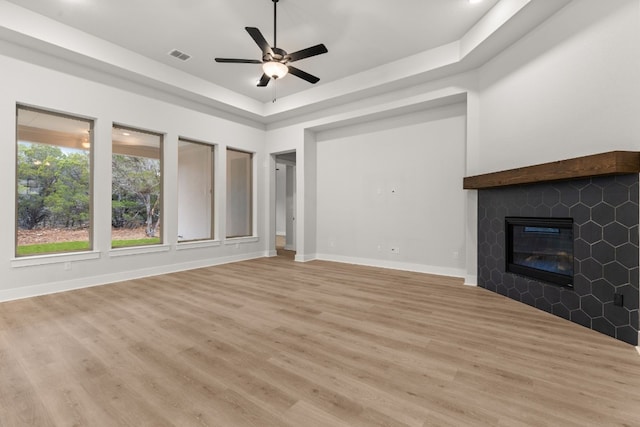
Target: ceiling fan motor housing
{"points": [[276, 54]]}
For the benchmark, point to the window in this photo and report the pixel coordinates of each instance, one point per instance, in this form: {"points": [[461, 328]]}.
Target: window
{"points": [[239, 193], [195, 191], [53, 191], [136, 187]]}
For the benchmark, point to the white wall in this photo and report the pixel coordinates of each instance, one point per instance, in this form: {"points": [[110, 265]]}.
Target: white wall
{"points": [[569, 88], [290, 208], [281, 199], [394, 183], [33, 85], [302, 136]]}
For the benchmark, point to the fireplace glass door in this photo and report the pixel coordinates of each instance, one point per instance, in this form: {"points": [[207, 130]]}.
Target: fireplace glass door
{"points": [[540, 248]]}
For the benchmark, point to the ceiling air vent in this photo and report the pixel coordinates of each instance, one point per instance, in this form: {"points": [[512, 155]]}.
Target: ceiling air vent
{"points": [[180, 55]]}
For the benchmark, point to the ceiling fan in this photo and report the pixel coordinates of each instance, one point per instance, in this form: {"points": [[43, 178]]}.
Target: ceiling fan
{"points": [[275, 61]]}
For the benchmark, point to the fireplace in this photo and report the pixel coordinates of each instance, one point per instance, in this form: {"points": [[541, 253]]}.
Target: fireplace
{"points": [[540, 248], [604, 295]]}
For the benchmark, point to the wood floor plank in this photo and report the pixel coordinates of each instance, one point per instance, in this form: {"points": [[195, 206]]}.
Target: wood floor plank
{"points": [[20, 403], [305, 414], [271, 342]]}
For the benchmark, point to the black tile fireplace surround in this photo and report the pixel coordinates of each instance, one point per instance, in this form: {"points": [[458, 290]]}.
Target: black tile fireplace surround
{"points": [[605, 213]]}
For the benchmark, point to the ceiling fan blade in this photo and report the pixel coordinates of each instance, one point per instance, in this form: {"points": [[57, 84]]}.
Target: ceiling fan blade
{"points": [[303, 75], [308, 52], [257, 37], [238, 61], [264, 80]]}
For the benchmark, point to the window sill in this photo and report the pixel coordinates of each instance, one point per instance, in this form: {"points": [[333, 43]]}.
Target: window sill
{"points": [[138, 250], [30, 261], [237, 240], [194, 244]]}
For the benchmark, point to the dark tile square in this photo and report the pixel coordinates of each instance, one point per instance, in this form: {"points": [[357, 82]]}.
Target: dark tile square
{"points": [[591, 232], [615, 193], [603, 290], [581, 318], [615, 233], [581, 285], [627, 334], [627, 214], [550, 196], [528, 299], [544, 305], [618, 316], [603, 252], [603, 214], [616, 273], [591, 195], [569, 299], [602, 325], [590, 305], [627, 255], [580, 213], [591, 269], [634, 320], [552, 294], [513, 294], [561, 310], [536, 289]]}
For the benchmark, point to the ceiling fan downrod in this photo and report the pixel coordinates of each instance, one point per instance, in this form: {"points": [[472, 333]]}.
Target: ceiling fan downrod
{"points": [[275, 22]]}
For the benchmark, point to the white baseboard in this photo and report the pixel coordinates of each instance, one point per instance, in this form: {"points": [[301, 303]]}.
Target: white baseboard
{"points": [[471, 280], [272, 253], [305, 258], [87, 282], [395, 265]]}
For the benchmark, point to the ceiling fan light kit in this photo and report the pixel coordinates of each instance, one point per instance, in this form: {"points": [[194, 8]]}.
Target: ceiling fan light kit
{"points": [[275, 61], [275, 69]]}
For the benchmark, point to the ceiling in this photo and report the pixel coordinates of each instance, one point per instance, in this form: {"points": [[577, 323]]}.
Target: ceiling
{"points": [[396, 39]]}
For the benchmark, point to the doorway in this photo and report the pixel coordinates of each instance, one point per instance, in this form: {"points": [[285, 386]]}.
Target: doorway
{"points": [[285, 216]]}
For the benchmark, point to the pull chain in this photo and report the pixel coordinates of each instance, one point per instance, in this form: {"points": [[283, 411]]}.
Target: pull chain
{"points": [[275, 92]]}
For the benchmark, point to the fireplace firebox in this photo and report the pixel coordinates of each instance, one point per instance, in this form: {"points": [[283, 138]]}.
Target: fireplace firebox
{"points": [[540, 248]]}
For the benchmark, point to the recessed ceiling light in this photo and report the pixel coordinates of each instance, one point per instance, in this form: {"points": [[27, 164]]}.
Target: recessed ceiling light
{"points": [[126, 133]]}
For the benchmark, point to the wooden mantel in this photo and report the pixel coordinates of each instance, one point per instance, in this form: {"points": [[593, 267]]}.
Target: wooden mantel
{"points": [[610, 163]]}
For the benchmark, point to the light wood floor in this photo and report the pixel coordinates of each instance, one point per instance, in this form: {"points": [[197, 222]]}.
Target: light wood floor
{"points": [[275, 343]]}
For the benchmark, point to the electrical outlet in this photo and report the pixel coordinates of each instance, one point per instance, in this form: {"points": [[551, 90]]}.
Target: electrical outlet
{"points": [[67, 266], [395, 250], [618, 299], [455, 255]]}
